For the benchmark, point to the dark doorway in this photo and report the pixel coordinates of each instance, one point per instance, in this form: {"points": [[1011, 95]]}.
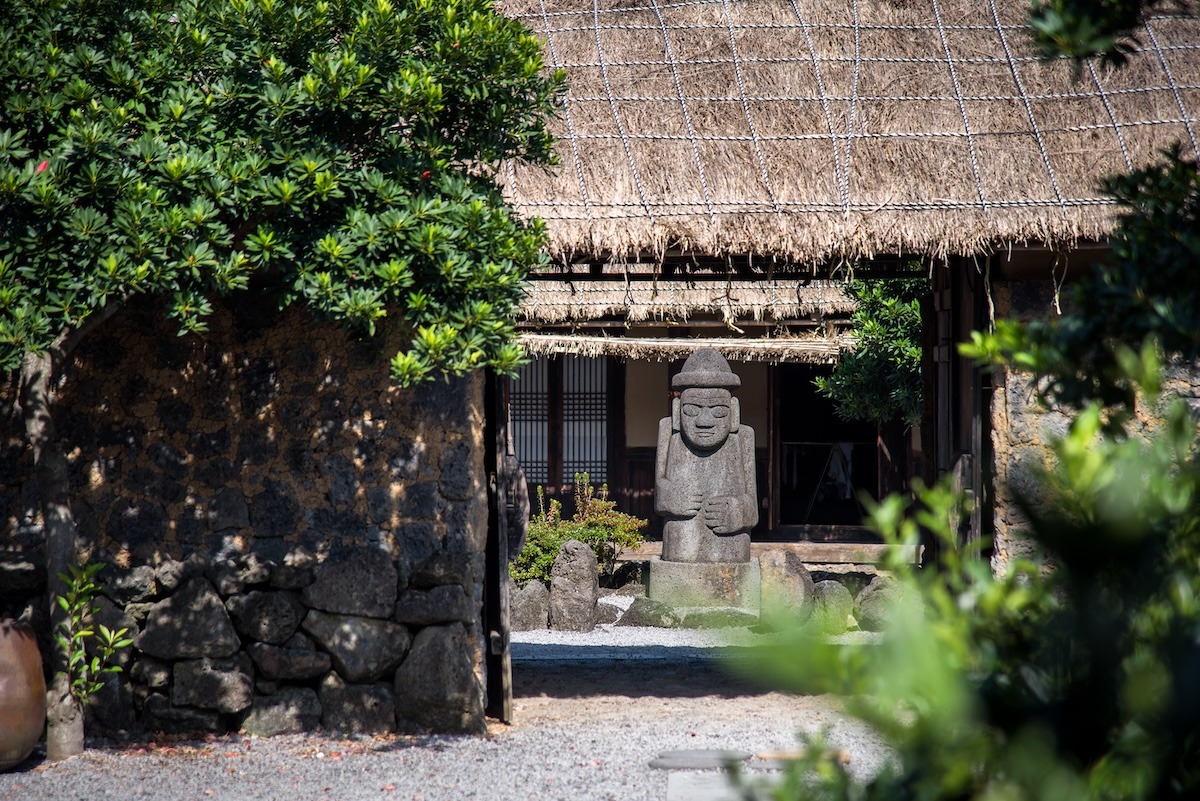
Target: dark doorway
{"points": [[824, 462]]}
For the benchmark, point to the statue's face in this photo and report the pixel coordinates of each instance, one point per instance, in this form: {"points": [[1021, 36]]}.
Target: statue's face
{"points": [[705, 417]]}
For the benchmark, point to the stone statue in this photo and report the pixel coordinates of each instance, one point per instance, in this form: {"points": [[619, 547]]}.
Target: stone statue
{"points": [[704, 468]]}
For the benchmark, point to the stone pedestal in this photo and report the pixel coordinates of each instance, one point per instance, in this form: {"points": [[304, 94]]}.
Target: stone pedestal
{"points": [[705, 583]]}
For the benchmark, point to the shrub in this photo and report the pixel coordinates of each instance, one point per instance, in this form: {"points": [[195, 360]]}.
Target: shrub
{"points": [[596, 523]]}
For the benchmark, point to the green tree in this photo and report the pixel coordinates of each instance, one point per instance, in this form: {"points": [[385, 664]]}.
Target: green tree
{"points": [[343, 152], [880, 379]]}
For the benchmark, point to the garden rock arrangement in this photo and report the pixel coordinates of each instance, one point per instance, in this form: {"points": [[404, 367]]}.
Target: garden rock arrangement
{"points": [[574, 601]]}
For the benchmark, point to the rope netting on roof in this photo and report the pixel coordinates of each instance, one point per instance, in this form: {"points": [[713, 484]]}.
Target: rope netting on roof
{"points": [[813, 129]]}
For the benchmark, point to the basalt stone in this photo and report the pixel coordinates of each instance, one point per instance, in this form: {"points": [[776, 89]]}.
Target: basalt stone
{"points": [[446, 402], [458, 471], [877, 602], [607, 613], [299, 455], [405, 462], [437, 687], [417, 542], [169, 460], [274, 512], [718, 618], [343, 480], [529, 607], [137, 524], [362, 649], [205, 445], [265, 616], [289, 664], [645, 612], [112, 708], [832, 605], [787, 587], [216, 472], [191, 623], [574, 588], [228, 509], [421, 501], [295, 572], [381, 504], [358, 581], [231, 576], [444, 604], [139, 611], [290, 710], [127, 586], [160, 715], [154, 673], [337, 525], [356, 708], [259, 384], [169, 574], [225, 685], [152, 483]]}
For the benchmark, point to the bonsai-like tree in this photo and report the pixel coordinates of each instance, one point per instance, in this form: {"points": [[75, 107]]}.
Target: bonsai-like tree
{"points": [[343, 151]]}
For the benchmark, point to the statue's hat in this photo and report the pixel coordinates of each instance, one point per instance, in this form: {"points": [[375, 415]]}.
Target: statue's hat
{"points": [[705, 368]]}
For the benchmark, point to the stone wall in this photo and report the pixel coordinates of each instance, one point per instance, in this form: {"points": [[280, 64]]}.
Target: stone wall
{"points": [[1023, 429], [293, 540]]}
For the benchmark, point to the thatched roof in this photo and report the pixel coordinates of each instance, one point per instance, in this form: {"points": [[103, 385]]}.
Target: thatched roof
{"points": [[803, 349], [812, 129], [732, 302]]}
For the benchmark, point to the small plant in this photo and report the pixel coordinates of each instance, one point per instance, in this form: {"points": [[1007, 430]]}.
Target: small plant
{"points": [[75, 634], [596, 522]]}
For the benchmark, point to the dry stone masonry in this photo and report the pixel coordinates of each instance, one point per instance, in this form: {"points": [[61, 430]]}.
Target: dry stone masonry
{"points": [[293, 541]]}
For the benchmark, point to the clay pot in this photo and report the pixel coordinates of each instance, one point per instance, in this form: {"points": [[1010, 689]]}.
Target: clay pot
{"points": [[22, 693]]}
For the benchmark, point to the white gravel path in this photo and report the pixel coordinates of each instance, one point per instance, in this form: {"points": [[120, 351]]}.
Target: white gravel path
{"points": [[591, 712]]}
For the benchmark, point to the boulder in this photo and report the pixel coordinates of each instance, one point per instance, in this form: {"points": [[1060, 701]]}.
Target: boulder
{"points": [[645, 612], [443, 604], [362, 649], [154, 673], [574, 588], [718, 617], [159, 715], [295, 572], [190, 624], [231, 576], [877, 601], [832, 605], [126, 586], [357, 581], [356, 708], [787, 587], [266, 616], [437, 687], [289, 664], [221, 684], [607, 613], [290, 710], [529, 607]]}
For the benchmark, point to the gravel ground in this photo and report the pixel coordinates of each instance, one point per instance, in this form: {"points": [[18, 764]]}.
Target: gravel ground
{"points": [[591, 712]]}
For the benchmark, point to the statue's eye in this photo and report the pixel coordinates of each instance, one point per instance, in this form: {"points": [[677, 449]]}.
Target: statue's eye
{"points": [[691, 409], [720, 411]]}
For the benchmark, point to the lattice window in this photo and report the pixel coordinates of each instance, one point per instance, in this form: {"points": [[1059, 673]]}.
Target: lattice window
{"points": [[559, 409]]}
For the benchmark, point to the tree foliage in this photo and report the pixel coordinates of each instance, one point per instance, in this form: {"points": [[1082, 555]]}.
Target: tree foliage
{"points": [[880, 379], [343, 150], [1071, 677], [1082, 29]]}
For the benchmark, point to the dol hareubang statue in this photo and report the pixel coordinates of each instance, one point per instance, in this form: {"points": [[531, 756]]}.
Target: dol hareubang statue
{"points": [[704, 468]]}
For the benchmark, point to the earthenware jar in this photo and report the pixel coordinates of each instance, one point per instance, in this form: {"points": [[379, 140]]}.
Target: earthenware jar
{"points": [[22, 693]]}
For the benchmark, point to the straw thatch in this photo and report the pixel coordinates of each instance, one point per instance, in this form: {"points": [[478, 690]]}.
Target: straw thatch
{"points": [[732, 302], [812, 129], [806, 350]]}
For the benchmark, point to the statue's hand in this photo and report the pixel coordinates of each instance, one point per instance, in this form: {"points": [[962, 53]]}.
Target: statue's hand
{"points": [[675, 501], [721, 515], [690, 503]]}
